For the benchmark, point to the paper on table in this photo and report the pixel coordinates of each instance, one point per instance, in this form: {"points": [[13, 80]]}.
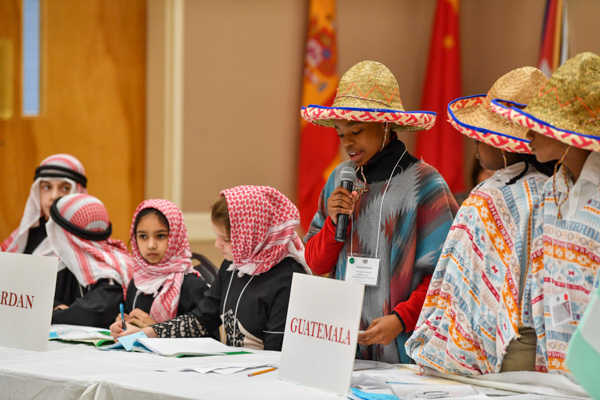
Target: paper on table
{"points": [[381, 379], [203, 346], [78, 333], [364, 364], [360, 395], [126, 342], [430, 391]]}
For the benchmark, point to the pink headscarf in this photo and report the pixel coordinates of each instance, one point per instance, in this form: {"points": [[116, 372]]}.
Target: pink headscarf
{"points": [[79, 231], [68, 169], [168, 274], [262, 229]]}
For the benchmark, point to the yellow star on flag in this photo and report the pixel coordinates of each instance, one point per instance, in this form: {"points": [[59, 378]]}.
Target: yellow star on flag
{"points": [[449, 42]]}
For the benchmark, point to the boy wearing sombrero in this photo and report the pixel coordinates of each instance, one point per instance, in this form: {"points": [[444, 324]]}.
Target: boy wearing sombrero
{"points": [[564, 122], [475, 319], [400, 209]]}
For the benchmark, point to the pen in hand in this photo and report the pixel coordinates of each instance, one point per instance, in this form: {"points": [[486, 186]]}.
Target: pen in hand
{"points": [[122, 315]]}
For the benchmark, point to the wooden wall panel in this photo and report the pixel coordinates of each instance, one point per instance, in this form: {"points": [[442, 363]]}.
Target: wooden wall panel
{"points": [[93, 104]]}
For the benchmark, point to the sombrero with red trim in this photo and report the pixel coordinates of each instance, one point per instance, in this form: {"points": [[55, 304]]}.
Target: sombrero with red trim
{"points": [[567, 108], [369, 92], [473, 117]]}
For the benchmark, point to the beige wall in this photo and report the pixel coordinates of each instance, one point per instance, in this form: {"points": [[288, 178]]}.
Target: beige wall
{"points": [[243, 60]]}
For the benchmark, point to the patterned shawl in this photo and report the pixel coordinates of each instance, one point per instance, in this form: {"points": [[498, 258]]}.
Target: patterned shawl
{"points": [[163, 280], [62, 167], [263, 223], [566, 259], [481, 289], [79, 232]]}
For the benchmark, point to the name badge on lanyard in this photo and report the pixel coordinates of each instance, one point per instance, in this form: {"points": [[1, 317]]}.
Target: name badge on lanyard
{"points": [[560, 309], [363, 270]]}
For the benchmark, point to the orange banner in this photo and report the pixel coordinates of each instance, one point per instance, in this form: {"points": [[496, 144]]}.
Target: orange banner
{"points": [[319, 146]]}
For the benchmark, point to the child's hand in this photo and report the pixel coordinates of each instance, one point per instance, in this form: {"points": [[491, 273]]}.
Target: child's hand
{"points": [[382, 330], [116, 329], [341, 201], [118, 318], [140, 318]]}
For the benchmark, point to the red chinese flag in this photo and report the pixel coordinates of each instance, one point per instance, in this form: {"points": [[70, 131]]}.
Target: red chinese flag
{"points": [[442, 146], [319, 146]]}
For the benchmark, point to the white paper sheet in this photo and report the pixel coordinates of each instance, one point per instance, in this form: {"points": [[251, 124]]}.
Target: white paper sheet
{"points": [[430, 391], [204, 346]]}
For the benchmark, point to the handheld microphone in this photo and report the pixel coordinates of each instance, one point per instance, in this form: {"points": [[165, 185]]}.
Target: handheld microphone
{"points": [[347, 176]]}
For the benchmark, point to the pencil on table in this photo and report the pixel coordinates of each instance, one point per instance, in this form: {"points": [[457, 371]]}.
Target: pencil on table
{"points": [[264, 371]]}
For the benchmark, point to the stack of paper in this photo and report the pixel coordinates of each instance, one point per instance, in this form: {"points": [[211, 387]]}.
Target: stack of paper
{"points": [[82, 334], [174, 347]]}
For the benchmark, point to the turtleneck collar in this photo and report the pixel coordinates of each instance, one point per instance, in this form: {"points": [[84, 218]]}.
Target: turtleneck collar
{"points": [[380, 166]]}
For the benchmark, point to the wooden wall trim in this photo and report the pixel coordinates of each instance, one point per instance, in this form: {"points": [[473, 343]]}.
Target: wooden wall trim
{"points": [[165, 130], [198, 227], [164, 167]]}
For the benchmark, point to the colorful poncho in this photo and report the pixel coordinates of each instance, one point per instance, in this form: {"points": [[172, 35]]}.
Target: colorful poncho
{"points": [[566, 257], [417, 212], [473, 307]]}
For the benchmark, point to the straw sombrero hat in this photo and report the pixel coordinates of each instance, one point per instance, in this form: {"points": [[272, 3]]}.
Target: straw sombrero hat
{"points": [[567, 108], [368, 92], [472, 116]]}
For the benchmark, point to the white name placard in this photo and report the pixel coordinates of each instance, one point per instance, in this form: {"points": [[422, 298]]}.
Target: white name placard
{"points": [[321, 331], [27, 286]]}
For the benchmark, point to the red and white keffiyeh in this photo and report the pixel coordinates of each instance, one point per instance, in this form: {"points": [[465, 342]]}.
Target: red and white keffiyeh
{"points": [[79, 232], [262, 229], [167, 275], [17, 241]]}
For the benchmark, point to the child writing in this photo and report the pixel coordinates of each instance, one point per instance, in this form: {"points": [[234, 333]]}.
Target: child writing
{"points": [[563, 124], [165, 283], [255, 228], [476, 318], [57, 175], [94, 269], [400, 208]]}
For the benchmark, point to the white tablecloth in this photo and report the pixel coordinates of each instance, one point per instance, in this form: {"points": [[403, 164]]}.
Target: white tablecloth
{"points": [[80, 371]]}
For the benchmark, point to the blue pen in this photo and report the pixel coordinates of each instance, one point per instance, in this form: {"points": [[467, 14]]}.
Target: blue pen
{"points": [[122, 315]]}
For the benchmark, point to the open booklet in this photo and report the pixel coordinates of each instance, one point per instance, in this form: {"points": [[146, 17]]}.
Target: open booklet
{"points": [[174, 347], [82, 334]]}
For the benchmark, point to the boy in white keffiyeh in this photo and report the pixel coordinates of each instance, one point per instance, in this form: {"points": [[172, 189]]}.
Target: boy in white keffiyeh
{"points": [[94, 269], [57, 175], [165, 283]]}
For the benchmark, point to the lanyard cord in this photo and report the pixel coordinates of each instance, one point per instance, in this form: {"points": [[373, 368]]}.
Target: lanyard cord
{"points": [[236, 305], [380, 208]]}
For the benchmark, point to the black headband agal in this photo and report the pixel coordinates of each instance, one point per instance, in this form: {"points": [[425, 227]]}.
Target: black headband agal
{"points": [[74, 229], [58, 171]]}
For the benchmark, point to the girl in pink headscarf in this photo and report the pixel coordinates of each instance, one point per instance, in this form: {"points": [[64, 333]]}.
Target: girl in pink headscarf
{"points": [[255, 228], [165, 283], [57, 175]]}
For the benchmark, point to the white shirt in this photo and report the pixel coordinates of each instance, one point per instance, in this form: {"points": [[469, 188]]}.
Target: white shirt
{"points": [[581, 191], [502, 176]]}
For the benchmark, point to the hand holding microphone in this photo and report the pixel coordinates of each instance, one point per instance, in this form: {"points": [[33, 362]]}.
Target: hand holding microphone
{"points": [[341, 203]]}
